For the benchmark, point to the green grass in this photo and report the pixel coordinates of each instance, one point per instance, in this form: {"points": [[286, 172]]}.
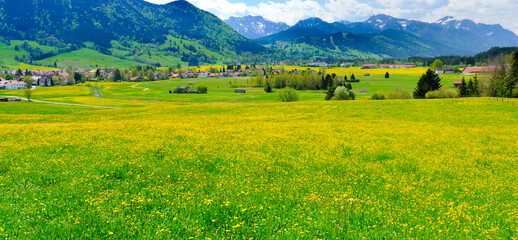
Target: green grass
{"points": [[87, 58], [411, 169]]}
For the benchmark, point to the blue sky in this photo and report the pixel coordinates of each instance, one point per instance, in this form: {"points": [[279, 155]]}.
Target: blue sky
{"points": [[501, 12]]}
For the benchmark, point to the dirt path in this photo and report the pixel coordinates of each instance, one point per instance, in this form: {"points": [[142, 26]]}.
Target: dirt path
{"points": [[67, 104]]}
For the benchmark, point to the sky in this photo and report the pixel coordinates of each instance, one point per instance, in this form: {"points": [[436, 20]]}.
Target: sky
{"points": [[503, 12]]}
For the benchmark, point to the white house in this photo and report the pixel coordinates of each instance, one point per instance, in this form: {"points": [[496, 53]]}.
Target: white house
{"points": [[14, 84]]}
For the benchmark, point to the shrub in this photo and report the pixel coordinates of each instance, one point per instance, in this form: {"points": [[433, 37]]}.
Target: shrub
{"points": [[515, 92], [378, 96], [267, 87], [330, 93], [398, 94], [201, 89], [288, 95], [442, 93], [342, 93]]}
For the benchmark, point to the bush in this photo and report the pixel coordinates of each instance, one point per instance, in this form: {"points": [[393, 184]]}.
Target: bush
{"points": [[442, 93], [330, 93], [398, 94], [342, 93], [378, 96], [288, 95], [267, 87], [514, 94], [201, 89]]}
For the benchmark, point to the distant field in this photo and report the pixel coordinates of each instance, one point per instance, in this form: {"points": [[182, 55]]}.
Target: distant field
{"points": [[323, 170]]}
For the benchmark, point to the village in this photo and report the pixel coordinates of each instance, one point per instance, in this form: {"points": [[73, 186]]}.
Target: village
{"points": [[16, 79]]}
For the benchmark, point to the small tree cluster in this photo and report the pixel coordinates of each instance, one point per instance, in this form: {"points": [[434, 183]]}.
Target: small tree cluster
{"points": [[471, 89], [429, 81]]}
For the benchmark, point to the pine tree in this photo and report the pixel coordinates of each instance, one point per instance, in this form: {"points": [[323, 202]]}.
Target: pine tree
{"points": [[429, 81], [117, 76], [345, 78], [19, 73], [512, 82], [387, 75], [476, 84], [462, 88], [267, 87], [471, 88], [352, 77]]}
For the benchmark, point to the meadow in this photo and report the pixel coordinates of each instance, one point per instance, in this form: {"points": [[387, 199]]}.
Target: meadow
{"points": [[314, 169]]}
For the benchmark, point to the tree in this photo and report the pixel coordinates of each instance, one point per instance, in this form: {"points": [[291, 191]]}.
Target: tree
{"points": [[437, 64], [98, 74], [77, 77], [387, 75], [117, 76], [429, 81], [267, 87], [353, 77], [330, 93], [19, 73], [345, 78], [8, 77], [28, 86], [476, 86], [463, 88], [470, 88], [512, 81]]}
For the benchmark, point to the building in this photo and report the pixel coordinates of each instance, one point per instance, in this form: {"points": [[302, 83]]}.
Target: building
{"points": [[15, 84], [203, 74], [477, 70], [457, 83], [398, 66], [369, 66], [318, 64], [444, 70]]}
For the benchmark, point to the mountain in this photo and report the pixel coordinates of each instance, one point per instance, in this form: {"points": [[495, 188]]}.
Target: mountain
{"points": [[385, 44], [446, 36], [463, 36], [134, 30], [253, 27]]}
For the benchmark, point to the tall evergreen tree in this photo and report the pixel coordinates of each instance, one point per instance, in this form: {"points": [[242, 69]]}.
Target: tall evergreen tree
{"points": [[462, 88], [429, 81], [345, 78], [471, 90], [387, 75], [512, 82], [476, 84], [117, 76], [353, 77]]}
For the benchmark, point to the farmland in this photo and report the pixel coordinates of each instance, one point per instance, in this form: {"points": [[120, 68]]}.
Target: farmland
{"points": [[180, 166]]}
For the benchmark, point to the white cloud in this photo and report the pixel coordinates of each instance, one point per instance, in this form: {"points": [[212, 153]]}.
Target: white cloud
{"points": [[486, 11]]}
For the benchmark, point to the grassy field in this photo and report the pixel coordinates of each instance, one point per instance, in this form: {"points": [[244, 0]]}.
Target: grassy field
{"points": [[169, 166], [325, 170]]}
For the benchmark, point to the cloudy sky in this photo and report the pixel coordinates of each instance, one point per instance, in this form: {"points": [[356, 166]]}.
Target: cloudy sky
{"points": [[503, 12]]}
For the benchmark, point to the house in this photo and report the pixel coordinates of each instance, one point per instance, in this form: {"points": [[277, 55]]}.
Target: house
{"points": [[369, 66], [182, 89], [457, 83], [397, 66], [237, 74], [318, 64], [444, 70], [203, 74], [15, 84], [476, 70], [3, 82], [136, 79]]}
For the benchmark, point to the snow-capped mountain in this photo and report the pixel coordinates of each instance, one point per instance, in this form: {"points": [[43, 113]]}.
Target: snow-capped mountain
{"points": [[253, 27]]}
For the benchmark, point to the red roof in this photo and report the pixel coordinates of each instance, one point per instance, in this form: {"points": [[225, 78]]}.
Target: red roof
{"points": [[479, 69]]}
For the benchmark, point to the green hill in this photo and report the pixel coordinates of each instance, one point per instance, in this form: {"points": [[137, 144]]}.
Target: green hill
{"points": [[134, 31]]}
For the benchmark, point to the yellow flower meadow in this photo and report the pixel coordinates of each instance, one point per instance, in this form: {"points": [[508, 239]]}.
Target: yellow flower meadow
{"points": [[415, 169]]}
